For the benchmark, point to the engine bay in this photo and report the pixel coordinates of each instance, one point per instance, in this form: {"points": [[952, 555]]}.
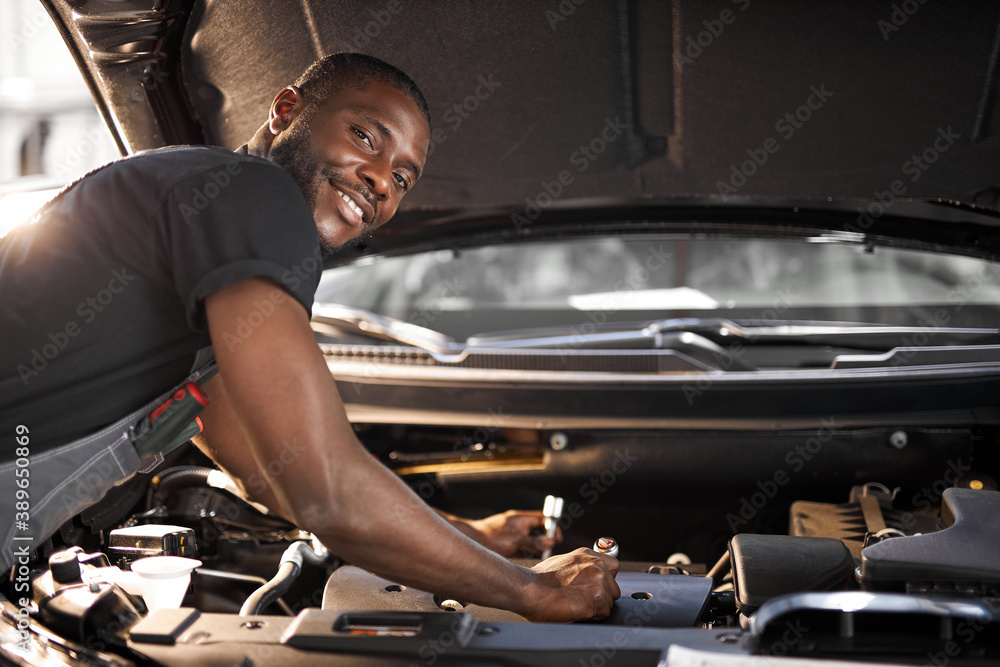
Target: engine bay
{"points": [[865, 543]]}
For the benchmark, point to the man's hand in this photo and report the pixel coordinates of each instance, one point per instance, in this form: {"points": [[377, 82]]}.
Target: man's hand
{"points": [[509, 533], [579, 585]]}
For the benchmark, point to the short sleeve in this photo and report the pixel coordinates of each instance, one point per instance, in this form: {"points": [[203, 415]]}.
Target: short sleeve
{"points": [[241, 219]]}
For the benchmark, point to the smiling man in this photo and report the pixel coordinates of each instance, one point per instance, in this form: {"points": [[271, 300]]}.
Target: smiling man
{"points": [[220, 251], [355, 142]]}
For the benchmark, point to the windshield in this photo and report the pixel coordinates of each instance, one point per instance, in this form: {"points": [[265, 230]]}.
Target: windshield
{"points": [[615, 278]]}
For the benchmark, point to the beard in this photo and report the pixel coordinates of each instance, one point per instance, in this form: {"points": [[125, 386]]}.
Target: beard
{"points": [[294, 154]]}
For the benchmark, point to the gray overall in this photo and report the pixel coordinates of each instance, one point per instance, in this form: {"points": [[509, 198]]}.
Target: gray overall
{"points": [[64, 481]]}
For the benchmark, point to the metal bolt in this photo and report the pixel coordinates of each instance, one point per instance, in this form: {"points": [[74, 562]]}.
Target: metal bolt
{"points": [[898, 439], [451, 605], [558, 441], [606, 545], [679, 558]]}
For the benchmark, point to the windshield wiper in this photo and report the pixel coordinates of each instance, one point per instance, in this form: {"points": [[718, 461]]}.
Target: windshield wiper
{"points": [[444, 349], [701, 339], [725, 332], [871, 336]]}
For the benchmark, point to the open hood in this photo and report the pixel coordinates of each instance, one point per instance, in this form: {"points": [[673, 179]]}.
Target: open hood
{"points": [[715, 284], [556, 101]]}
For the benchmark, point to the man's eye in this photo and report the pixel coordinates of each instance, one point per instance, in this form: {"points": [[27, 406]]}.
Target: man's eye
{"points": [[402, 181], [362, 136]]}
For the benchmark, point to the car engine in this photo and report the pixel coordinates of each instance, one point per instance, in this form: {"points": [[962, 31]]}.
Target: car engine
{"points": [[732, 566]]}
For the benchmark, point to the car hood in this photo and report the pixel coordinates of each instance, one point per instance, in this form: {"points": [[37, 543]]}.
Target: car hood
{"points": [[535, 106]]}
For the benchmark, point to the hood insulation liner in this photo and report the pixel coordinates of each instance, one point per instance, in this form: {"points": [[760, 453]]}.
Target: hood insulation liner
{"points": [[633, 98]]}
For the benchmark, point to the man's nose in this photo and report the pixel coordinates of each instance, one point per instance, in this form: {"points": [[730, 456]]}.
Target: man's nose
{"points": [[378, 178]]}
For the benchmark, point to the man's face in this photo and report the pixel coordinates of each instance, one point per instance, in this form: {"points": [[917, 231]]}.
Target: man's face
{"points": [[354, 158]]}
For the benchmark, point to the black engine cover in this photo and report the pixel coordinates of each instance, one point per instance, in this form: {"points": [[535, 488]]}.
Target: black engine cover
{"points": [[647, 600]]}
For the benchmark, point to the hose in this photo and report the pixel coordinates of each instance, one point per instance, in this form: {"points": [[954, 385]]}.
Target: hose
{"points": [[288, 569], [271, 591], [249, 578], [168, 480], [715, 574]]}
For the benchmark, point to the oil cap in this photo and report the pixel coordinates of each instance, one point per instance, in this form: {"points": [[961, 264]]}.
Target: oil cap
{"points": [[65, 567]]}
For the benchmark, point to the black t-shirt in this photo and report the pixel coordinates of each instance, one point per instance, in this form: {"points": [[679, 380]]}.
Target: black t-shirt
{"points": [[102, 299]]}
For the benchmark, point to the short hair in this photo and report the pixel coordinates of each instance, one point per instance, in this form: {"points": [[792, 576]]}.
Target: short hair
{"points": [[339, 70]]}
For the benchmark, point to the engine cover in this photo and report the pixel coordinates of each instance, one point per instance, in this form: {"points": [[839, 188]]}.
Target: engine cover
{"points": [[964, 554], [647, 600]]}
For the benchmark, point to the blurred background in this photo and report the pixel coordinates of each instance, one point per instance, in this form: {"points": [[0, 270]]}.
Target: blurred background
{"points": [[50, 130]]}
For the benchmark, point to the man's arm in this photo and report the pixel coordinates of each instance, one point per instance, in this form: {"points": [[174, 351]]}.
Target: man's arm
{"points": [[225, 442], [283, 396], [507, 533]]}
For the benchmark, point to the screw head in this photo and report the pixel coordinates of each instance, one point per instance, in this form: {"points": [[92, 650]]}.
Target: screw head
{"points": [[558, 441], [898, 439]]}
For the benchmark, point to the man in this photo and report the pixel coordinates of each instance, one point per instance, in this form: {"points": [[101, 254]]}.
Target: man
{"points": [[109, 298]]}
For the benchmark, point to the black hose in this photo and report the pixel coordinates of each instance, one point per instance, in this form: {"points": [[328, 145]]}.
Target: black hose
{"points": [[174, 478], [249, 578], [288, 568], [271, 591]]}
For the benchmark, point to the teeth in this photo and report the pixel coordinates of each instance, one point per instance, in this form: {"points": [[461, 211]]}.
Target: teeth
{"points": [[350, 202]]}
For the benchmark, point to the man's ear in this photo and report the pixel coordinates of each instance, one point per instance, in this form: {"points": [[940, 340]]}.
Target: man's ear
{"points": [[286, 106]]}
